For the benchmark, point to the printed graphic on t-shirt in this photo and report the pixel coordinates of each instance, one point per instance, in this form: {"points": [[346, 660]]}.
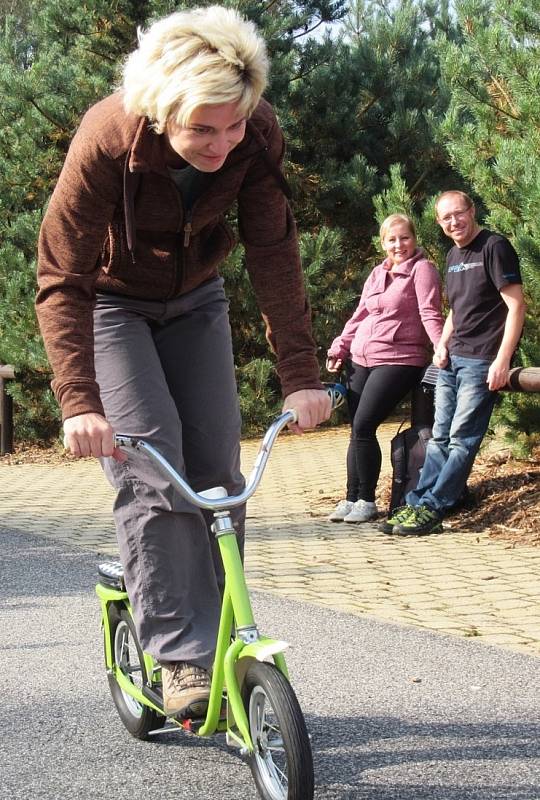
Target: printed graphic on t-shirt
{"points": [[463, 266]]}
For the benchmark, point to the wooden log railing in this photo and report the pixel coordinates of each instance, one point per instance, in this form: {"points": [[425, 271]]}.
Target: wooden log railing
{"points": [[524, 379], [520, 379], [7, 373]]}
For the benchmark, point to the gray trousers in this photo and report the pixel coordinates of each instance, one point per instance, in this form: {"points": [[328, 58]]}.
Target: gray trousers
{"points": [[166, 374]]}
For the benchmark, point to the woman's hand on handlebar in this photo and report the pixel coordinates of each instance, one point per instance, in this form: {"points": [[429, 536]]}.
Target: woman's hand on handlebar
{"points": [[312, 407], [90, 435], [334, 364]]}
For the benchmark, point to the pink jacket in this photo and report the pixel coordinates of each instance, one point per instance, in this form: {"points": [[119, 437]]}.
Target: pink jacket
{"points": [[396, 318]]}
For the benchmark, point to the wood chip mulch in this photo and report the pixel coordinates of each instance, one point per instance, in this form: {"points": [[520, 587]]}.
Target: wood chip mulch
{"points": [[505, 498], [36, 455]]}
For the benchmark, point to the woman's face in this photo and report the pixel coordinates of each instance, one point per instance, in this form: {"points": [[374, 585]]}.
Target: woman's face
{"points": [[209, 137], [399, 243]]}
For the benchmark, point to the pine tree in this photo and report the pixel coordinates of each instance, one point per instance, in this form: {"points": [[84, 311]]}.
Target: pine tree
{"points": [[372, 105], [493, 137], [295, 56]]}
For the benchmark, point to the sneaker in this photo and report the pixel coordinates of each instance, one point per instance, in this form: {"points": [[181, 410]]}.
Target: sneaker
{"points": [[186, 689], [340, 511], [362, 511], [422, 520], [398, 515]]}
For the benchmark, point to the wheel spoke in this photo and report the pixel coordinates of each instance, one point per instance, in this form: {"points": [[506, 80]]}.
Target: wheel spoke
{"points": [[259, 711], [276, 747], [283, 779]]}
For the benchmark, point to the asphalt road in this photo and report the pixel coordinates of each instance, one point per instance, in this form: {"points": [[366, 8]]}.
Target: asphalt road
{"points": [[395, 713]]}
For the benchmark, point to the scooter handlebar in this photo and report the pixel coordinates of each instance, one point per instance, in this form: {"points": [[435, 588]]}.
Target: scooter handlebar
{"points": [[208, 499]]}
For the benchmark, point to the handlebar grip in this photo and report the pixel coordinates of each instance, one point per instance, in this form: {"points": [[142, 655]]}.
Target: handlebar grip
{"points": [[337, 393]]}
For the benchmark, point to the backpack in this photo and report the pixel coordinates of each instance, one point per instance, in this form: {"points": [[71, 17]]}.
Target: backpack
{"points": [[407, 454], [408, 447]]}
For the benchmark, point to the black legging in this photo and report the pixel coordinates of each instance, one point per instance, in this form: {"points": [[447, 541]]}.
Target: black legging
{"points": [[372, 394]]}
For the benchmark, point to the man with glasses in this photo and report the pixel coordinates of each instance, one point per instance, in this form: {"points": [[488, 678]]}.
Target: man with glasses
{"points": [[480, 335]]}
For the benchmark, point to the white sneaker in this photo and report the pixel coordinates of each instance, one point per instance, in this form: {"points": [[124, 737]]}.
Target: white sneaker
{"points": [[339, 513], [362, 511]]}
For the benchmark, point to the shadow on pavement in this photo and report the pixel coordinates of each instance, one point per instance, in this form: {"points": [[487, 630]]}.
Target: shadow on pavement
{"points": [[350, 747]]}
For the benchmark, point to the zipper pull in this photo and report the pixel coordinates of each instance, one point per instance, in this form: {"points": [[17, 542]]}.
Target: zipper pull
{"points": [[187, 230]]}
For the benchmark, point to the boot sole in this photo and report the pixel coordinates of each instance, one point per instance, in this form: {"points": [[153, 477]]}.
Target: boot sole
{"points": [[435, 529], [196, 707], [384, 527]]}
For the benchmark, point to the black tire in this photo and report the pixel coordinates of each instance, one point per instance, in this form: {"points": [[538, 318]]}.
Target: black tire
{"points": [[282, 762], [127, 654]]}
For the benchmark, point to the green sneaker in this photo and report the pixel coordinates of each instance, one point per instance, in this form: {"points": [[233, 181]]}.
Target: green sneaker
{"points": [[398, 515], [423, 520]]}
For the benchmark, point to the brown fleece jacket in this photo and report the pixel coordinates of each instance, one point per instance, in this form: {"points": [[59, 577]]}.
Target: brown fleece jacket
{"points": [[115, 223]]}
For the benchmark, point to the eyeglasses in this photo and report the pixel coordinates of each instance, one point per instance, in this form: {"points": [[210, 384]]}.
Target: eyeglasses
{"points": [[458, 214]]}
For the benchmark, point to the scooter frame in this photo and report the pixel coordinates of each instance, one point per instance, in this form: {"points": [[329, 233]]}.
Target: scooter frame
{"points": [[232, 659]]}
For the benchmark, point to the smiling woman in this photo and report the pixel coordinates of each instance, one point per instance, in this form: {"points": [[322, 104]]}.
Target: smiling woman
{"points": [[398, 239]]}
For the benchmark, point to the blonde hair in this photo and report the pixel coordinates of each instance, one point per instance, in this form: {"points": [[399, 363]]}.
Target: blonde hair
{"points": [[205, 56], [393, 219], [453, 193]]}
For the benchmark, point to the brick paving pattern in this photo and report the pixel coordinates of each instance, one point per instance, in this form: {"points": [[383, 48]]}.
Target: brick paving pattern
{"points": [[456, 583]]}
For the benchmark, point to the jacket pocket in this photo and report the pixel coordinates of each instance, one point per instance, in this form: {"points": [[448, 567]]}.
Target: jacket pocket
{"points": [[151, 272], [218, 243], [385, 330], [114, 250]]}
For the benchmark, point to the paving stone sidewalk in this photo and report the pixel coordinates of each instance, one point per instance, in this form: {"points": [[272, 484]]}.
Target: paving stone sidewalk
{"points": [[456, 583]]}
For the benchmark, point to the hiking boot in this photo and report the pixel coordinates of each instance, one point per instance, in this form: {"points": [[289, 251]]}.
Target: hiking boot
{"points": [[398, 515], [186, 689], [362, 511], [340, 511], [421, 521]]}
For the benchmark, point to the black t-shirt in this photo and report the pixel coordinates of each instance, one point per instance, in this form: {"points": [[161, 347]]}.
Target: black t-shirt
{"points": [[475, 275], [191, 183]]}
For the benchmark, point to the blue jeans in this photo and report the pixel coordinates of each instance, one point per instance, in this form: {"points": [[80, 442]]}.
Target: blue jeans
{"points": [[463, 406]]}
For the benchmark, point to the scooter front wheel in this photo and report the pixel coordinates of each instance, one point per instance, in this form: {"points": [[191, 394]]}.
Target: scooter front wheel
{"points": [[282, 762], [128, 657]]}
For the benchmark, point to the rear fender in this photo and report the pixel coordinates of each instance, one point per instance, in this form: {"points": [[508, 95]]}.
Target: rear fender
{"points": [[107, 596]]}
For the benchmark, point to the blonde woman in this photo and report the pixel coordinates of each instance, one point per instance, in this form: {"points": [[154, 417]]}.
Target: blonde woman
{"points": [[134, 315], [383, 347]]}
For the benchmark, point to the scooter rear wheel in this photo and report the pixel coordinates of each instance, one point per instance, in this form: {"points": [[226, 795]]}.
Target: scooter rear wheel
{"points": [[282, 762], [128, 656]]}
